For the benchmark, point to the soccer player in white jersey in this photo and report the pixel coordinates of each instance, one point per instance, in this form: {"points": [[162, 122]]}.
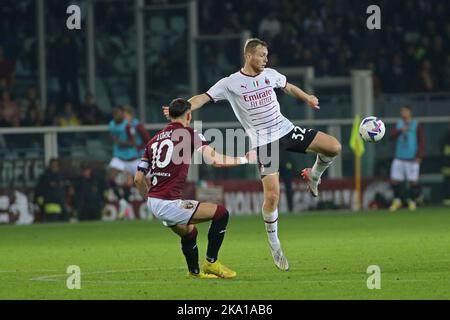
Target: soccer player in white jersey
{"points": [[250, 91]]}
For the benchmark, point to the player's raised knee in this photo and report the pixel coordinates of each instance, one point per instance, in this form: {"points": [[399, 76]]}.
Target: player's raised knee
{"points": [[337, 147], [334, 148], [221, 213]]}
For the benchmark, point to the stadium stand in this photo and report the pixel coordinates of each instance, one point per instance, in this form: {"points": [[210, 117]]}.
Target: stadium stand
{"points": [[411, 57]]}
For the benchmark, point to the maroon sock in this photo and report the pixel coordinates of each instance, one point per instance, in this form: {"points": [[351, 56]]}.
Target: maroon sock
{"points": [[216, 233], [190, 250]]}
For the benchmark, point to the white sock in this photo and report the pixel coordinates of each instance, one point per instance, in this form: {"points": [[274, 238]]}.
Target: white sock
{"points": [[322, 163], [271, 222]]}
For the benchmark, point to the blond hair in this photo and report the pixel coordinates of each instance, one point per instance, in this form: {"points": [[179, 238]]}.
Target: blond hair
{"points": [[252, 43]]}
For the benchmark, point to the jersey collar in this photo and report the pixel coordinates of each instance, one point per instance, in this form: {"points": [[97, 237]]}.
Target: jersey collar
{"points": [[247, 75], [176, 124]]}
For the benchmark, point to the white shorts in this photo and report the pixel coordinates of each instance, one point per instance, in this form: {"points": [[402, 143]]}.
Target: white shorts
{"points": [[172, 212], [402, 170], [121, 165]]}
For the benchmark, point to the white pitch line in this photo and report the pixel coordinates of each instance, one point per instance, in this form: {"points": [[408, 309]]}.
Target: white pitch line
{"points": [[48, 278], [51, 278], [27, 271]]}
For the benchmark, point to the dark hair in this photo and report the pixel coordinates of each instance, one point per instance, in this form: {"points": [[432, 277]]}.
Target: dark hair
{"points": [[252, 43], [178, 107]]}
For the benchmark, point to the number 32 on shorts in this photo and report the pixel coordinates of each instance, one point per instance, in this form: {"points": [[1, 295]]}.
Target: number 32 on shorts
{"points": [[300, 135]]}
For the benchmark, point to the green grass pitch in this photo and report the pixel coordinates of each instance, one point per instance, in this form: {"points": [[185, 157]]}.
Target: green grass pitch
{"points": [[328, 255]]}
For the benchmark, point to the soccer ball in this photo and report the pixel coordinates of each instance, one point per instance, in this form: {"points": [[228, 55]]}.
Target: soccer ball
{"points": [[372, 129]]}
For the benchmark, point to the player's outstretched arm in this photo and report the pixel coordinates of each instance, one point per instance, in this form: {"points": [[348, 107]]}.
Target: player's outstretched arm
{"points": [[141, 184], [196, 102], [219, 160], [295, 91]]}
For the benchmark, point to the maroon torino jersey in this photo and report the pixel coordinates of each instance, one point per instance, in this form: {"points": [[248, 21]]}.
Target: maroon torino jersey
{"points": [[169, 154]]}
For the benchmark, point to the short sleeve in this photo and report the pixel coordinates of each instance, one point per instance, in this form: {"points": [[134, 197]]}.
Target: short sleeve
{"points": [[280, 79], [146, 154], [218, 91]]}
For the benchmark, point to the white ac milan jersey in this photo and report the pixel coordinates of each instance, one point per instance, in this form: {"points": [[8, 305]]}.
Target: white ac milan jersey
{"points": [[255, 104]]}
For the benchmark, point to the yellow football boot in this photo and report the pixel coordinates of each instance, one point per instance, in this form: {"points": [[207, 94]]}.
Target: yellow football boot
{"points": [[218, 269], [201, 275], [396, 204], [412, 205]]}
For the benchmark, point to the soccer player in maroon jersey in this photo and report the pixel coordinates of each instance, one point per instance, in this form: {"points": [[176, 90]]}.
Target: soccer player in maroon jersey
{"points": [[166, 159]]}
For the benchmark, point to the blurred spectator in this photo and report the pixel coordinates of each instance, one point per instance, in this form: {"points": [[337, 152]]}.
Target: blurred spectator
{"points": [[394, 79], [68, 117], [6, 71], [375, 78], [211, 71], [270, 27], [7, 212], [50, 115], [88, 197], [446, 75], [323, 68], [447, 37], [33, 117], [70, 204], [10, 110], [161, 74], [425, 81], [108, 49], [3, 123], [313, 22], [411, 64], [417, 29], [64, 61], [438, 58], [90, 113], [14, 205], [335, 28], [50, 193], [31, 99]]}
